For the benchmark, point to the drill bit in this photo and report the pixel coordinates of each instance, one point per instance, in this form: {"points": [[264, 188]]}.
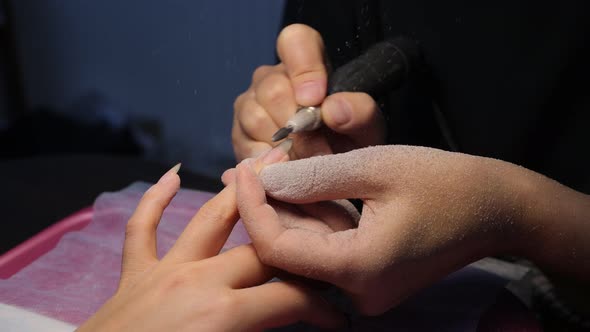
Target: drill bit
{"points": [[282, 133], [305, 119]]}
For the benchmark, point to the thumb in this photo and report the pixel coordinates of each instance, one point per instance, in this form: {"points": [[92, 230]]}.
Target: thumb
{"points": [[355, 174], [301, 49], [356, 115], [317, 255]]}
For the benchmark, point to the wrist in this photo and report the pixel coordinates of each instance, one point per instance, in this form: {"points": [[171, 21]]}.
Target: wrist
{"points": [[509, 189], [527, 185], [555, 226]]}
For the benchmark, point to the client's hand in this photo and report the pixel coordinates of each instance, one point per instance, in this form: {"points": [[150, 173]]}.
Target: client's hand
{"points": [[426, 213], [193, 288]]}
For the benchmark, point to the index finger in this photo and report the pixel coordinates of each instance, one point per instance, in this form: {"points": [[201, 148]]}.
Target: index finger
{"points": [[208, 230], [301, 49]]}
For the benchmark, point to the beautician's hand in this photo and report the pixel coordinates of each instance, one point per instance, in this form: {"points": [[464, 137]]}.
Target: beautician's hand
{"points": [[194, 289], [426, 213], [352, 119]]}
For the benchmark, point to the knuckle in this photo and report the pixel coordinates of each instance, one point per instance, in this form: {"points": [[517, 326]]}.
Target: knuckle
{"points": [[242, 101], [249, 116], [132, 228], [260, 72], [308, 72], [152, 196], [236, 138], [227, 302], [239, 102], [135, 226], [274, 89], [176, 280], [268, 253], [210, 212], [256, 120]]}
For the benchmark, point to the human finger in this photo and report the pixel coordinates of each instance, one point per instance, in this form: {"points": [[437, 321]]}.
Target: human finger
{"points": [[248, 121], [261, 72], [242, 268], [301, 50], [355, 115], [283, 303], [355, 174], [275, 96], [228, 176], [140, 236], [208, 230], [338, 215], [255, 113]]}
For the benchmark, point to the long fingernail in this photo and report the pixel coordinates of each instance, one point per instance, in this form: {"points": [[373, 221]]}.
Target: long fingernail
{"points": [[278, 152], [259, 152], [173, 171]]}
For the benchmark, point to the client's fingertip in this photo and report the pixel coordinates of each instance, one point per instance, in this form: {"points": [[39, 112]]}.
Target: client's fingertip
{"points": [[279, 153], [157, 197], [171, 176], [245, 164], [244, 169], [228, 177]]}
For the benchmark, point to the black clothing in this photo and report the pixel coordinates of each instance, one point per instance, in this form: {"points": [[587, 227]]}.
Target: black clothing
{"points": [[509, 77]]}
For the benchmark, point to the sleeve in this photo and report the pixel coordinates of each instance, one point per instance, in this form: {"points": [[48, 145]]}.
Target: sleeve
{"points": [[349, 27]]}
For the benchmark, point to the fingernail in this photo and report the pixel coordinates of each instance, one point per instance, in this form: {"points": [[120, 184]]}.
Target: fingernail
{"points": [[340, 111], [248, 163], [278, 152], [174, 170], [259, 152], [309, 93], [228, 176]]}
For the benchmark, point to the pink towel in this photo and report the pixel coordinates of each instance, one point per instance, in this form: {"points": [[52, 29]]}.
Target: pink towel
{"points": [[73, 280]]}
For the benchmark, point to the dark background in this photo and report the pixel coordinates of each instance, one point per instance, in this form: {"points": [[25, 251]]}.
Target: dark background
{"points": [[95, 95]]}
